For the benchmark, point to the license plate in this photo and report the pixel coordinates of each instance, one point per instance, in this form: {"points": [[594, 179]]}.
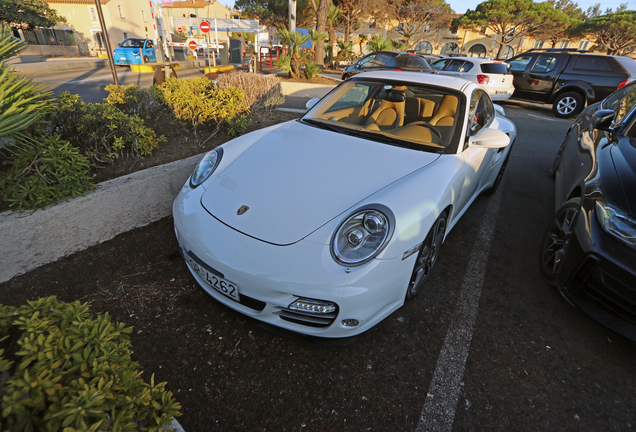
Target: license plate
{"points": [[221, 285], [122, 58], [501, 92]]}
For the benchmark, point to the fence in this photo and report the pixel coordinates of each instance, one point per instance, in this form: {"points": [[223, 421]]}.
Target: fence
{"points": [[47, 36]]}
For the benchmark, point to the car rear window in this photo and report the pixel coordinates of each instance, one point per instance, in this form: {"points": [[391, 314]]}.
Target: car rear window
{"points": [[412, 61], [628, 63], [494, 68], [519, 64], [593, 63]]}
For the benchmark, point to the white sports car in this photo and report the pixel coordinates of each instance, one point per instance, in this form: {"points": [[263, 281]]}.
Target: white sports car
{"points": [[325, 225]]}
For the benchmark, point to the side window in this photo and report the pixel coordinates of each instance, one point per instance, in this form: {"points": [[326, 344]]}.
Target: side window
{"points": [[367, 61], [519, 64], [149, 44], [621, 102], [545, 63], [383, 60], [592, 63], [456, 66], [439, 65], [481, 112]]}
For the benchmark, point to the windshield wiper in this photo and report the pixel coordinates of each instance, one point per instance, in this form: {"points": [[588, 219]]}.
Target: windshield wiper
{"points": [[322, 125]]}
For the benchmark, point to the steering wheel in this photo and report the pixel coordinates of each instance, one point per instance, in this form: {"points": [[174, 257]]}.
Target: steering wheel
{"points": [[428, 125]]}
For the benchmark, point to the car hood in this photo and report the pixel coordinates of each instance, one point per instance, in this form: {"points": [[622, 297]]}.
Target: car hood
{"points": [[298, 177], [624, 157]]}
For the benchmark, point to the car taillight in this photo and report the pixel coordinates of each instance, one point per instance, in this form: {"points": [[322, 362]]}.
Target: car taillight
{"points": [[624, 83], [397, 69], [483, 79]]}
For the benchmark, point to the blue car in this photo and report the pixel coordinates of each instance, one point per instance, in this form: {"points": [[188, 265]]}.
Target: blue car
{"points": [[135, 51]]}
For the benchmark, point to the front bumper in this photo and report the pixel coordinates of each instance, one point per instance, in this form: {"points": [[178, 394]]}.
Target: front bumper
{"points": [[270, 277], [598, 275]]}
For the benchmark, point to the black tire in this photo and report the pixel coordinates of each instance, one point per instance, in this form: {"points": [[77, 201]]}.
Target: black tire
{"points": [[492, 189], [556, 238], [427, 257], [567, 104], [146, 59]]}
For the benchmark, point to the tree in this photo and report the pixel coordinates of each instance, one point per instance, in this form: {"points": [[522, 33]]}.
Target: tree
{"points": [[321, 9], [413, 17], [273, 13], [379, 43], [333, 16], [352, 11], [28, 14], [558, 23], [615, 32], [507, 19], [295, 40]]}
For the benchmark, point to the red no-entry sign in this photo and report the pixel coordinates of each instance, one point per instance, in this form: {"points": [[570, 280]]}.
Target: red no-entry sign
{"points": [[179, 29], [192, 45], [205, 26]]}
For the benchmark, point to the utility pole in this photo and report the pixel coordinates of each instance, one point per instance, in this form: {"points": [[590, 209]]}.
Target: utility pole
{"points": [[292, 15], [109, 50]]}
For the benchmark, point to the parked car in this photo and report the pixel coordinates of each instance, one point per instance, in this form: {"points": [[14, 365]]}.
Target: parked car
{"points": [[325, 225], [134, 51], [589, 249], [493, 75], [569, 79], [387, 60]]}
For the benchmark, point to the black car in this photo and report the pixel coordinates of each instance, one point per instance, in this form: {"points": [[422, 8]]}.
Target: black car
{"points": [[569, 79], [589, 249], [387, 60]]}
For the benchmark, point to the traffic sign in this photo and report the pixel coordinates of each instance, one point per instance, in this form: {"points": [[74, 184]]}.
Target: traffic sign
{"points": [[52, 39], [179, 29], [192, 44], [205, 26]]}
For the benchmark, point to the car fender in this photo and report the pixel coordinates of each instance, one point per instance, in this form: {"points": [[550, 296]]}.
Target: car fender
{"points": [[416, 201], [576, 86]]}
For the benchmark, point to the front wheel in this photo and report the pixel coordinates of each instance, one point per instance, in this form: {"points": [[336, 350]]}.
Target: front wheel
{"points": [[556, 238], [146, 59], [427, 257], [567, 105]]}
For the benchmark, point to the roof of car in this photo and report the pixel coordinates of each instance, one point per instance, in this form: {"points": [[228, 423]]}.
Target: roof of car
{"points": [[450, 82], [475, 59]]}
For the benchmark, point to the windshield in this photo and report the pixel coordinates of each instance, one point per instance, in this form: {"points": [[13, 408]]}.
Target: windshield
{"points": [[132, 43], [417, 116]]}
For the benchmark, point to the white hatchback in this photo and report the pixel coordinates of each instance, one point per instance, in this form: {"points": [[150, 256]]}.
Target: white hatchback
{"points": [[493, 75]]}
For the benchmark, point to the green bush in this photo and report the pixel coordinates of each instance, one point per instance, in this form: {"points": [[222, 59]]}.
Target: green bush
{"points": [[237, 125], [63, 370], [132, 99], [311, 69], [196, 102], [260, 90], [102, 131], [44, 172]]}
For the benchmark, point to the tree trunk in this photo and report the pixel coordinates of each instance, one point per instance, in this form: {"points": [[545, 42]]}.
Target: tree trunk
{"points": [[321, 26], [295, 64], [500, 50], [332, 43]]}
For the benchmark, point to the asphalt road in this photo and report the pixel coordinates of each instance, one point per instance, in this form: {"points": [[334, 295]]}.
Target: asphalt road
{"points": [[486, 346]]}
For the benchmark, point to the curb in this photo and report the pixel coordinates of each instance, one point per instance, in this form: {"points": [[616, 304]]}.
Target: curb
{"points": [[32, 239], [39, 68]]}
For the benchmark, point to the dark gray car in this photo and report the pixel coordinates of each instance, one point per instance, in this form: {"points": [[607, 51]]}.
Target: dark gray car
{"points": [[387, 60]]}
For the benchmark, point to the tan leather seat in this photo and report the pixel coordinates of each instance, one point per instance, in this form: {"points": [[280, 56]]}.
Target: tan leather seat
{"points": [[388, 115], [445, 115]]}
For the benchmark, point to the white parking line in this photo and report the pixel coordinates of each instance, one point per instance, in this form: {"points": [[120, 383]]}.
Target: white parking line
{"points": [[548, 118], [438, 412]]}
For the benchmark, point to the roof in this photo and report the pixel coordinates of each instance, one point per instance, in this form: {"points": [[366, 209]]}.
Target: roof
{"points": [[190, 4], [86, 2]]}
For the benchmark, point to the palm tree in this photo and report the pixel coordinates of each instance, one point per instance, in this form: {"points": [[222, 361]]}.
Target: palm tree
{"points": [[295, 40], [399, 45], [379, 43], [316, 37], [333, 16], [362, 38], [344, 50]]}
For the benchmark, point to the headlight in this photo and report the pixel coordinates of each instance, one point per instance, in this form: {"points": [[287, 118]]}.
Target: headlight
{"points": [[616, 223], [362, 235], [206, 167]]}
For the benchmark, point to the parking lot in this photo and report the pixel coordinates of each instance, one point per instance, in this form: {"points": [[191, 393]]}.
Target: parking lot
{"points": [[486, 346]]}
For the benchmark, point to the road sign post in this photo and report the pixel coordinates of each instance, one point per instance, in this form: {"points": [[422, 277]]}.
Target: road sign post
{"points": [[205, 28]]}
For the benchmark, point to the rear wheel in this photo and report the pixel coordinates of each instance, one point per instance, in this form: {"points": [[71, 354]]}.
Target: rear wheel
{"points": [[567, 104], [146, 59], [556, 238], [427, 257]]}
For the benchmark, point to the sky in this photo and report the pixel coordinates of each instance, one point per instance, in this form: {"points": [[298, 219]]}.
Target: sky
{"points": [[460, 6]]}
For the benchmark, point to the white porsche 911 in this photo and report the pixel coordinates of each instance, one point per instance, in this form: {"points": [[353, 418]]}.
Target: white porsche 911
{"points": [[326, 224]]}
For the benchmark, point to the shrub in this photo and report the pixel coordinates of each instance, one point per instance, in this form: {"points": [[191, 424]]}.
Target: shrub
{"points": [[63, 370], [197, 102], [132, 99], [237, 125], [102, 131], [259, 90], [42, 173], [311, 69]]}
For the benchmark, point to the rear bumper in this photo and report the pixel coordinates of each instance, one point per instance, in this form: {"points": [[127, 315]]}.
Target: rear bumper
{"points": [[599, 275]]}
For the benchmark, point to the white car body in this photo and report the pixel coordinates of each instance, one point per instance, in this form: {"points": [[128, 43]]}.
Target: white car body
{"points": [[499, 86], [264, 220]]}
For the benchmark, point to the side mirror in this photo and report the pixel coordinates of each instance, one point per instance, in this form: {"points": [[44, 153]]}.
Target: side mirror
{"points": [[489, 138], [311, 102], [499, 109], [602, 119]]}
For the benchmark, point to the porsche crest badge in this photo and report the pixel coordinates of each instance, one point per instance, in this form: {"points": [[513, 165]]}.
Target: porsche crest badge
{"points": [[242, 210]]}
